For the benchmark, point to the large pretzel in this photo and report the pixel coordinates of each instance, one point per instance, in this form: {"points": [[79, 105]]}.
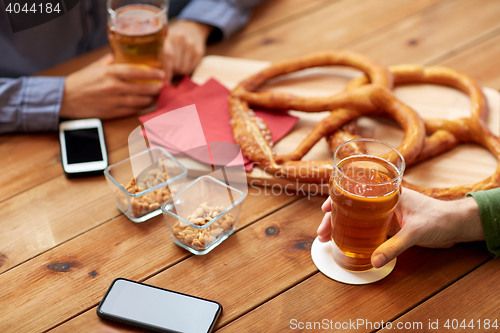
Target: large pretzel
{"points": [[253, 136], [361, 98], [446, 134]]}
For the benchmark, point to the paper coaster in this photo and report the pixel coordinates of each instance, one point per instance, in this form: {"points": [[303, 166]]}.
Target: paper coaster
{"points": [[321, 254]]}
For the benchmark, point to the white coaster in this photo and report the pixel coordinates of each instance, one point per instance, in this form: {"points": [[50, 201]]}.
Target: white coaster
{"points": [[321, 254]]}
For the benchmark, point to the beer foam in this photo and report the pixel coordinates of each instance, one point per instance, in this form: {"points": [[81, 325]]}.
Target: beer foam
{"points": [[138, 20]]}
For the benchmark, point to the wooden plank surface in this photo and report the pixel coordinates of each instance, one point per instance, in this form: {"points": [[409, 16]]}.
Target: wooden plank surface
{"points": [[430, 35], [472, 302], [282, 283], [480, 61], [275, 12], [34, 159], [276, 245], [118, 248], [419, 274], [57, 210], [333, 26], [61, 244], [19, 170]]}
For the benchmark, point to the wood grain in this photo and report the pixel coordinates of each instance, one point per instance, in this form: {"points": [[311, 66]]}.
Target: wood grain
{"points": [[431, 34], [30, 229], [31, 160], [281, 249], [479, 61], [61, 244], [419, 274], [274, 12], [331, 27], [118, 248], [247, 269], [19, 169], [53, 212], [473, 298]]}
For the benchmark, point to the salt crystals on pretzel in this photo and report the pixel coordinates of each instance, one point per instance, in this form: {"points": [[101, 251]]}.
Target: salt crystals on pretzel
{"points": [[367, 95]]}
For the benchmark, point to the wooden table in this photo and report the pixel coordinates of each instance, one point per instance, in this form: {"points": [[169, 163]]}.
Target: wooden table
{"points": [[63, 241]]}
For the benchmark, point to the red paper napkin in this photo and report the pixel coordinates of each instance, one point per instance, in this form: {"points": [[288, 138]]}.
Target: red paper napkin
{"points": [[185, 132]]}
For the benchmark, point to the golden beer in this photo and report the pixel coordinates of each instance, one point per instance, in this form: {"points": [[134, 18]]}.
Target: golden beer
{"points": [[364, 190], [136, 33]]}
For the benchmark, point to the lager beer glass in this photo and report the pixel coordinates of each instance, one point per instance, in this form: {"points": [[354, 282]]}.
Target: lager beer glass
{"points": [[136, 30], [364, 187]]}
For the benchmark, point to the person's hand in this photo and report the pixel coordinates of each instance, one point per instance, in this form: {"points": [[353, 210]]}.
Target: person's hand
{"points": [[106, 90], [423, 221], [184, 47]]}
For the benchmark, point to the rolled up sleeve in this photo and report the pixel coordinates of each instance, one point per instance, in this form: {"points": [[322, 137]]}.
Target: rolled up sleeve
{"points": [[30, 104], [489, 211], [227, 16]]}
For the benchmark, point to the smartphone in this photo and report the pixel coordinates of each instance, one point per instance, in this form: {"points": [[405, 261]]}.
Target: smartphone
{"points": [[83, 149], [157, 309]]}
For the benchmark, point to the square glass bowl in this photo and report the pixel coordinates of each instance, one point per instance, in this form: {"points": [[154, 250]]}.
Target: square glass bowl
{"points": [[203, 214], [141, 183]]}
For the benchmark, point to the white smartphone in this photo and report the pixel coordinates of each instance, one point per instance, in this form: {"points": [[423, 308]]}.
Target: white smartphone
{"points": [[157, 309], [83, 149]]}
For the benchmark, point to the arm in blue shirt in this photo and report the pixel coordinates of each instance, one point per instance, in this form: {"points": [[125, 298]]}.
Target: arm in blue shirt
{"points": [[30, 104], [227, 16]]}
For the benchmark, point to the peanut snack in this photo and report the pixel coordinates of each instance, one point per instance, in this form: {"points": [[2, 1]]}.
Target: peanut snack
{"points": [[152, 201], [200, 239]]}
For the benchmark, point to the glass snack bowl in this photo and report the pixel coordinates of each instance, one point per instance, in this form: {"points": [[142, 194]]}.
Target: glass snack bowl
{"points": [[203, 214], [141, 183]]}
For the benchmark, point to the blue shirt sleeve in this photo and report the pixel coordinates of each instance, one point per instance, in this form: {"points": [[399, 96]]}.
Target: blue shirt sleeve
{"points": [[30, 104], [227, 16]]}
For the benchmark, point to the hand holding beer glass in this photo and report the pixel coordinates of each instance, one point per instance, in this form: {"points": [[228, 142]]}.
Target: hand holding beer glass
{"points": [[137, 30], [131, 82], [364, 189]]}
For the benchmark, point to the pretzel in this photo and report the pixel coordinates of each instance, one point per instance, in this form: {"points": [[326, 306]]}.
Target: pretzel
{"points": [[472, 129], [377, 74], [446, 134], [366, 95], [253, 136]]}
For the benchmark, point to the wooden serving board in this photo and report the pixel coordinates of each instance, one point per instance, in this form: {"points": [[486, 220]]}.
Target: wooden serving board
{"points": [[465, 164]]}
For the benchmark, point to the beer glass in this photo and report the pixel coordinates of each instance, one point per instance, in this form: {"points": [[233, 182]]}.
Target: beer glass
{"points": [[365, 186], [136, 30]]}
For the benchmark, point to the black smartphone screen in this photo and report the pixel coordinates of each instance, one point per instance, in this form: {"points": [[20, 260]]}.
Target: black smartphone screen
{"points": [[82, 145], [157, 309]]}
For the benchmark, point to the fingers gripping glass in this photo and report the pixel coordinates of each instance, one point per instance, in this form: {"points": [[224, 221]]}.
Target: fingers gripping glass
{"points": [[365, 188]]}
